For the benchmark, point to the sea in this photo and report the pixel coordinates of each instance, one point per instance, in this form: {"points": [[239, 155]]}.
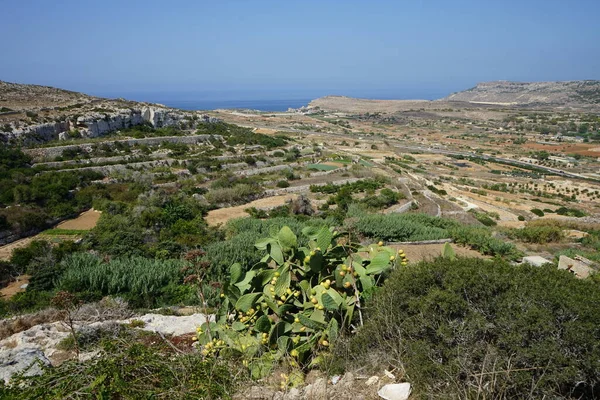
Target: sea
{"points": [[258, 105]]}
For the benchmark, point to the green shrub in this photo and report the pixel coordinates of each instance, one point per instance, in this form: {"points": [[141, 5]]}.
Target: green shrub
{"points": [[538, 234], [140, 280], [571, 212], [483, 217], [537, 212], [402, 227], [475, 329], [283, 184], [355, 187], [521, 218], [481, 239]]}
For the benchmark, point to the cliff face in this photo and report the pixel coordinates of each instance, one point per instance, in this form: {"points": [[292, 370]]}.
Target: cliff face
{"points": [[35, 114], [95, 124], [560, 94]]}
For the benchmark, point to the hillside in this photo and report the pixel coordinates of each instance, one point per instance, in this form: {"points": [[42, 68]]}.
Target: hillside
{"points": [[18, 96], [557, 94], [32, 114]]}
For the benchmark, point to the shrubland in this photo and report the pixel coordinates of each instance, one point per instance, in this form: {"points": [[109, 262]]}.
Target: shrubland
{"points": [[470, 328]]}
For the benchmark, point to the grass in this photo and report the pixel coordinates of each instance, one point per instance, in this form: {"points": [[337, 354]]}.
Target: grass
{"points": [[131, 366], [321, 167]]}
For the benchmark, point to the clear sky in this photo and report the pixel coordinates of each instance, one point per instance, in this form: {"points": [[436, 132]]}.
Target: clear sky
{"points": [[291, 48]]}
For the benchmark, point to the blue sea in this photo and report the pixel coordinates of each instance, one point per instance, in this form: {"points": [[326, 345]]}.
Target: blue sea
{"points": [[260, 105]]}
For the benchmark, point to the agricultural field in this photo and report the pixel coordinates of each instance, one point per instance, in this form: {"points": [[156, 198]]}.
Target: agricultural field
{"points": [[299, 226]]}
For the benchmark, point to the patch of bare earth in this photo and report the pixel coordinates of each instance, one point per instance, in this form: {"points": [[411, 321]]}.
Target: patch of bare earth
{"points": [[222, 215], [85, 221], [15, 287]]}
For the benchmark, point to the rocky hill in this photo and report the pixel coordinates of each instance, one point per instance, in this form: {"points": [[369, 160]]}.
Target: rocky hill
{"points": [[577, 94], [36, 114]]}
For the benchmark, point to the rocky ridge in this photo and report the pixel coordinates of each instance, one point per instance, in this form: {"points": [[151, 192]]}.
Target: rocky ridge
{"points": [[560, 94], [35, 114]]}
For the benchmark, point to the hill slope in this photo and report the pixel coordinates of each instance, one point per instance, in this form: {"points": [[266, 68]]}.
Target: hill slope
{"points": [[560, 94], [31, 114]]}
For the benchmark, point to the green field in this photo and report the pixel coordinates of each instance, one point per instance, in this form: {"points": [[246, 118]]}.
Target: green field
{"points": [[321, 167]]}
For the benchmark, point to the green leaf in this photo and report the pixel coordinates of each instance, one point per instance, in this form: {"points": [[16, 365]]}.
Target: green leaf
{"points": [[278, 330], [349, 314], [276, 253], [329, 303], [263, 243], [448, 252], [238, 326], [287, 238], [244, 285], [265, 276], [310, 323], [263, 324], [318, 316], [284, 344], [379, 263], [247, 301], [316, 262], [367, 282], [335, 296], [236, 272], [283, 282], [333, 329], [324, 238]]}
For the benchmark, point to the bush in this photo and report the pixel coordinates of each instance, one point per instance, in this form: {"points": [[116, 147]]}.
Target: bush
{"points": [[484, 218], [474, 329], [571, 212], [402, 228], [540, 234], [521, 218], [537, 212], [283, 184], [139, 280]]}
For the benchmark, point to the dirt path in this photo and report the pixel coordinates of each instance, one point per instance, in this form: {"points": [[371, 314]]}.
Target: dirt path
{"points": [[222, 215], [85, 221]]}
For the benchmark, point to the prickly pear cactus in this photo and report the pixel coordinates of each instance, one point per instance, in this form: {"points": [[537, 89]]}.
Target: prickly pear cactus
{"points": [[297, 299]]}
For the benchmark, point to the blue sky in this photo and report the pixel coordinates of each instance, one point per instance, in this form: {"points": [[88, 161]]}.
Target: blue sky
{"points": [[292, 49]]}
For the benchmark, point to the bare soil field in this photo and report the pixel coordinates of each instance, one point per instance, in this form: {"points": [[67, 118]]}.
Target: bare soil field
{"points": [[85, 221], [14, 287], [579, 148], [222, 215]]}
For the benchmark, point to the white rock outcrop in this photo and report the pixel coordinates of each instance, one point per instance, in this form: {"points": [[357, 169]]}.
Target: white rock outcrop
{"points": [[19, 351]]}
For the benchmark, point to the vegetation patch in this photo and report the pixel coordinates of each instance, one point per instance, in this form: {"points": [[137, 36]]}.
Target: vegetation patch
{"points": [[470, 328]]}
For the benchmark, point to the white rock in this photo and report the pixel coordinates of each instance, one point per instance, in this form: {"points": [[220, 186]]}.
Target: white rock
{"points": [[171, 324], [395, 391], [372, 380], [21, 360]]}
